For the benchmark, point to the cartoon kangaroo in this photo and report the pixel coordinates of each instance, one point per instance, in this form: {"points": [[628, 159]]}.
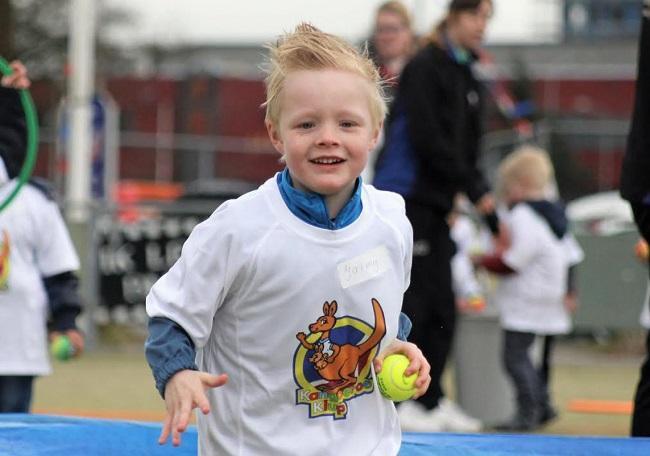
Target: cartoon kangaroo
{"points": [[338, 363], [318, 359]]}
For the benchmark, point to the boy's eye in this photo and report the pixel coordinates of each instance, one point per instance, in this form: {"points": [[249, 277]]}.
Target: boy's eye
{"points": [[305, 125], [348, 124]]}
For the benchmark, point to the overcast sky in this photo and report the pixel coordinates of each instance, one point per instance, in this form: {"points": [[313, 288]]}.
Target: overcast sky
{"points": [[258, 21]]}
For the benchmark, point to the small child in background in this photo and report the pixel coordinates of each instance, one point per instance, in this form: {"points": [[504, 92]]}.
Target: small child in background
{"points": [[535, 294]]}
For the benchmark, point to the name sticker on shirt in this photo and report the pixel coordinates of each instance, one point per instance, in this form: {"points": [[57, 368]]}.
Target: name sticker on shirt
{"points": [[364, 267]]}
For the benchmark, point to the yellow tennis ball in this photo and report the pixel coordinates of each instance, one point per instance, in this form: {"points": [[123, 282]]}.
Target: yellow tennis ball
{"points": [[391, 380]]}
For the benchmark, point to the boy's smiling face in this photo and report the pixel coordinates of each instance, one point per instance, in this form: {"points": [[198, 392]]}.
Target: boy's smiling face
{"points": [[325, 130]]}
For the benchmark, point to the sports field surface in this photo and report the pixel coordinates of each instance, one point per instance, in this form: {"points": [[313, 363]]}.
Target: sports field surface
{"points": [[592, 386]]}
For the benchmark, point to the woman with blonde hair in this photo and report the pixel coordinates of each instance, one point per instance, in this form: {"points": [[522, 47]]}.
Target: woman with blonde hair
{"points": [[393, 40]]}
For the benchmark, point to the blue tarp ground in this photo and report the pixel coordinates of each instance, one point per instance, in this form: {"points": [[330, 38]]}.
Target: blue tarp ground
{"points": [[38, 435]]}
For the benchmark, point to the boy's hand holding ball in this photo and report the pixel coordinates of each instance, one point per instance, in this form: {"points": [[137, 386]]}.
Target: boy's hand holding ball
{"points": [[64, 346], [402, 371], [392, 380]]}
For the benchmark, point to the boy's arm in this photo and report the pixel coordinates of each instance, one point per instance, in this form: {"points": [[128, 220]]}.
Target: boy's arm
{"points": [[170, 353], [65, 305], [404, 328], [494, 264], [571, 297], [63, 295], [168, 350]]}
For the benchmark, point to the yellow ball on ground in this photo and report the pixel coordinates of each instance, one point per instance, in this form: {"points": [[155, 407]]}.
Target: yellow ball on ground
{"points": [[392, 382]]}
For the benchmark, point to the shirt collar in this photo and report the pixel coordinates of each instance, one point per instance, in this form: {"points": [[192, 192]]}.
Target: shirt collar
{"points": [[457, 53], [310, 207]]}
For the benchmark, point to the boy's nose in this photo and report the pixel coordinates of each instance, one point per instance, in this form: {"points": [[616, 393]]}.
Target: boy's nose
{"points": [[328, 137]]}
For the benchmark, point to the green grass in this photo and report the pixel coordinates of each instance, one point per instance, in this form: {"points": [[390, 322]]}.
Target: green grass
{"points": [[117, 383]]}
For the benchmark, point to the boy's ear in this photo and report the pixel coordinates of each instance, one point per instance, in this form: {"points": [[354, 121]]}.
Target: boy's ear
{"points": [[375, 135], [274, 136]]}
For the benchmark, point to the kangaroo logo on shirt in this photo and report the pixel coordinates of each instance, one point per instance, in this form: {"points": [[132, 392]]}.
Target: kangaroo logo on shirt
{"points": [[332, 363], [5, 249]]}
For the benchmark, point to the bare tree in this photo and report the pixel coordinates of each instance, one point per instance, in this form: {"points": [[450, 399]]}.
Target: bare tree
{"points": [[36, 31]]}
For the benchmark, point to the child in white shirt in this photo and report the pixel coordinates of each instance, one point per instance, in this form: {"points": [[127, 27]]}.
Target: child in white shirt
{"points": [[295, 288], [535, 294]]}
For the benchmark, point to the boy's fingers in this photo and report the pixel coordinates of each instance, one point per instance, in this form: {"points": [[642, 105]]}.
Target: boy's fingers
{"points": [[164, 434], [423, 374], [176, 429], [413, 367], [77, 341], [213, 381], [203, 404], [423, 389], [18, 66], [184, 417], [378, 363], [176, 437]]}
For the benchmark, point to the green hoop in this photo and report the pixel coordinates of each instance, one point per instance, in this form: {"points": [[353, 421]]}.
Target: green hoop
{"points": [[32, 138]]}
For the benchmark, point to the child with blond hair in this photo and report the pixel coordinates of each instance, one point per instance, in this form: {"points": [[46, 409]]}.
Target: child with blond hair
{"points": [[293, 290], [535, 293]]}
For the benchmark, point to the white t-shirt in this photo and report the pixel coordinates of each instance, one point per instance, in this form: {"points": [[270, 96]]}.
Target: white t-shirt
{"points": [[532, 299], [34, 243], [249, 281]]}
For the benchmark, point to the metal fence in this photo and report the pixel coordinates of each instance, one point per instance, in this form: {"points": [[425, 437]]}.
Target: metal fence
{"points": [[127, 254]]}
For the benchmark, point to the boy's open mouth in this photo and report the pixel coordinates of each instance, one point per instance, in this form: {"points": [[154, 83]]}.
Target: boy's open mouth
{"points": [[327, 161]]}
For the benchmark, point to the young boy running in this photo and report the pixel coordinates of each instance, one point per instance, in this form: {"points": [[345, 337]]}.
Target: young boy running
{"points": [[295, 289]]}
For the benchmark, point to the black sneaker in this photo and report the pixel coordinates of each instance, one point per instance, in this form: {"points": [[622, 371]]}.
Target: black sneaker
{"points": [[548, 414], [518, 424]]}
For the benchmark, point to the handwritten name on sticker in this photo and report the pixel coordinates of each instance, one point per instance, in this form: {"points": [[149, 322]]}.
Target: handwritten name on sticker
{"points": [[363, 267]]}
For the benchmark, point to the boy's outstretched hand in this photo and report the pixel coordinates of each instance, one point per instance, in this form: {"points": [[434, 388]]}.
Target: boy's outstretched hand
{"points": [[418, 363], [183, 393]]}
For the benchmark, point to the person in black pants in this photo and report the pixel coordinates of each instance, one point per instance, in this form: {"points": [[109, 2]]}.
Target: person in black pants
{"points": [[430, 155], [635, 187]]}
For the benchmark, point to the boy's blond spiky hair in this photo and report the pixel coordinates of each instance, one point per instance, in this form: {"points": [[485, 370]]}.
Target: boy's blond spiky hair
{"points": [[529, 167], [307, 48]]}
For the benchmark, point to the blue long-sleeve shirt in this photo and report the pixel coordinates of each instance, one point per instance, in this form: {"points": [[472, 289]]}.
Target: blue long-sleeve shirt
{"points": [[169, 348]]}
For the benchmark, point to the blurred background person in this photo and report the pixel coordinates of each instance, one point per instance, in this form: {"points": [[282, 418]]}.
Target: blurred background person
{"points": [[37, 264], [393, 41], [635, 187], [431, 154], [536, 293], [471, 238], [392, 44]]}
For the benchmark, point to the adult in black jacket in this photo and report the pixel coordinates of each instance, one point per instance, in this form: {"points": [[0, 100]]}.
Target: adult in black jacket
{"points": [[430, 155], [635, 187]]}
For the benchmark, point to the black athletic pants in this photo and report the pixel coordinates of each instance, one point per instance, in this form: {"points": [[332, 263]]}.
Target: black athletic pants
{"points": [[15, 393], [429, 301]]}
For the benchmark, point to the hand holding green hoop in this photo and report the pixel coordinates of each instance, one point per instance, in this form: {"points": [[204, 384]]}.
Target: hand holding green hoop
{"points": [[32, 137]]}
